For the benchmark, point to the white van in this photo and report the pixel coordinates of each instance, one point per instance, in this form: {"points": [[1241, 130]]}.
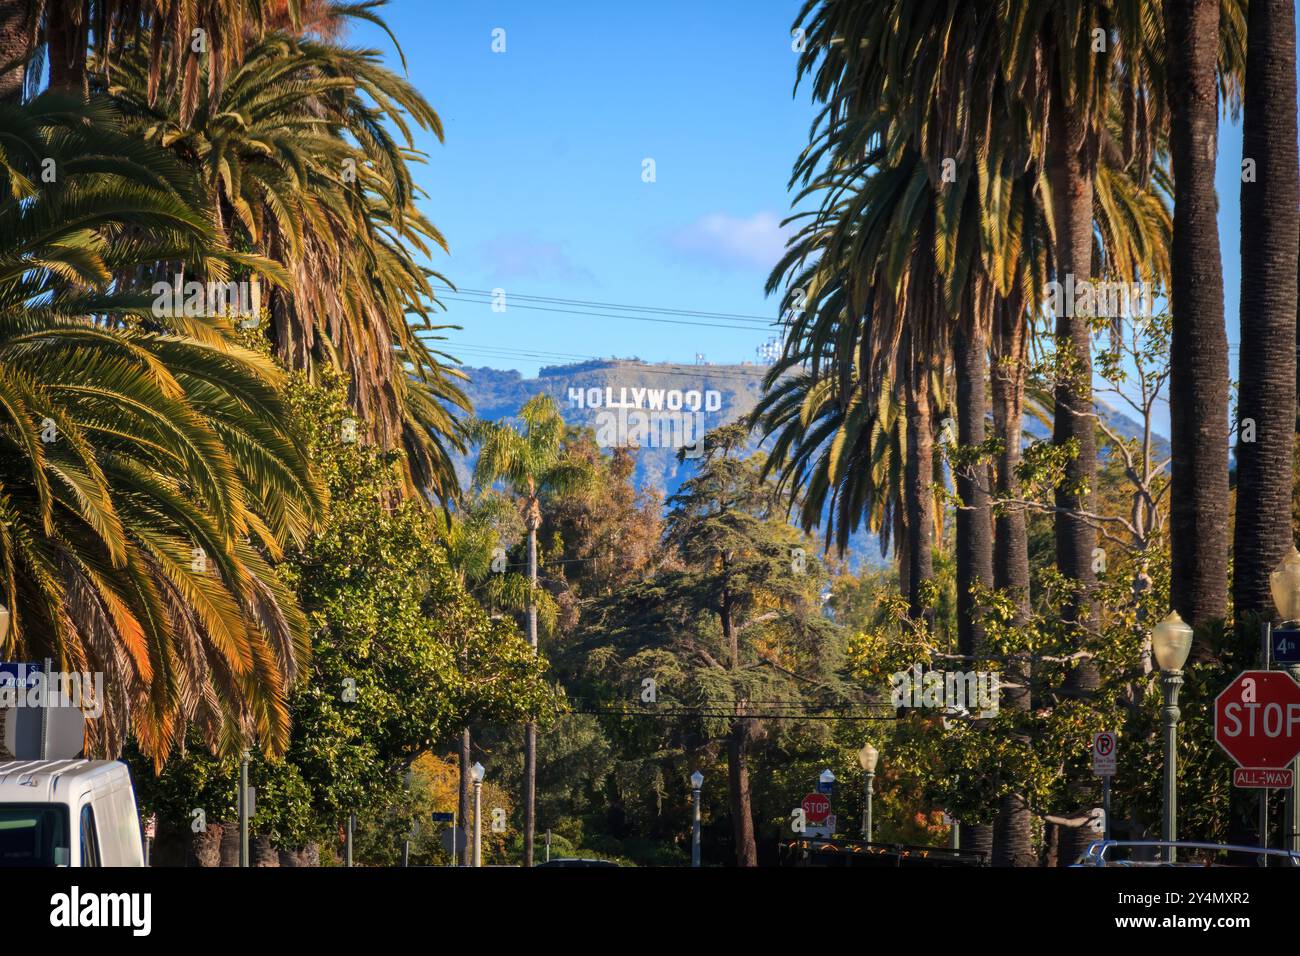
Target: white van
{"points": [[68, 813]]}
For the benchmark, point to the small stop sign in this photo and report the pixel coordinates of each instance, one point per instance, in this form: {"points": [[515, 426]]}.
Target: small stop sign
{"points": [[1257, 719], [816, 808]]}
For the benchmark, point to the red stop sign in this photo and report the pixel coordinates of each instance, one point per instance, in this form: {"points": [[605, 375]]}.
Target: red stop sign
{"points": [[816, 808], [1257, 719]]}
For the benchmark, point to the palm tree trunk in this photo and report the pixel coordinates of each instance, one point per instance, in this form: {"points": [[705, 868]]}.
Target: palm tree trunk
{"points": [[65, 45], [1270, 229], [974, 516], [15, 34], [530, 730], [1198, 352], [229, 849], [742, 815], [463, 797], [1007, 380], [1013, 826], [1071, 167], [263, 853], [901, 552], [917, 478], [205, 846]]}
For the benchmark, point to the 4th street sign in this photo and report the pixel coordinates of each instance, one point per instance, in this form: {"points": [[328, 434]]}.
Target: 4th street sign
{"points": [[1286, 645]]}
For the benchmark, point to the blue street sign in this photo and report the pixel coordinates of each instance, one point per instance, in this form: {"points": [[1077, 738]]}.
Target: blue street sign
{"points": [[443, 817], [825, 786], [1286, 646], [19, 674]]}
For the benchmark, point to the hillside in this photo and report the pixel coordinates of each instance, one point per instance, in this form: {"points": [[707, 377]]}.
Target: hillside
{"points": [[498, 393]]}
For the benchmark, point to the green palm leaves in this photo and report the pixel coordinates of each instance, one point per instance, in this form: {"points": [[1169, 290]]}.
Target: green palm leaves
{"points": [[926, 204], [529, 458], [298, 163], [145, 475]]}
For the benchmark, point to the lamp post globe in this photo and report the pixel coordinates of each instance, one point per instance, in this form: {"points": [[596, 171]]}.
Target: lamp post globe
{"points": [[1284, 583], [867, 758], [1171, 641]]}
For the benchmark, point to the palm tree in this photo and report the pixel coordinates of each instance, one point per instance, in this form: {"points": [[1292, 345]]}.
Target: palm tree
{"points": [[973, 107], [145, 476], [1270, 228], [529, 458], [298, 165], [470, 539]]}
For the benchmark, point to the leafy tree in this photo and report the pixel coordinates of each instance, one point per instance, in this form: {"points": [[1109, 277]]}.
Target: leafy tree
{"points": [[402, 655], [732, 635]]}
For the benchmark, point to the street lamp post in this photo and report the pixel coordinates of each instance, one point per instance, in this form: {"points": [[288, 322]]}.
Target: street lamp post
{"points": [[1285, 585], [697, 781], [243, 808], [406, 844], [1171, 640], [867, 758], [476, 772]]}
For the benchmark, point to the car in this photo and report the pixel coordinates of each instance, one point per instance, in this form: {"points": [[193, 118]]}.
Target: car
{"points": [[68, 813], [1146, 853], [576, 861]]}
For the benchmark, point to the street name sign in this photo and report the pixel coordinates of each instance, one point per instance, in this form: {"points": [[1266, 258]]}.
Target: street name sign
{"points": [[1286, 645]]}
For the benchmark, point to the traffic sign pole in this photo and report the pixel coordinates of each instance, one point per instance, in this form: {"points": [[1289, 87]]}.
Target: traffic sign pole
{"points": [[1293, 814], [1266, 652], [1105, 804]]}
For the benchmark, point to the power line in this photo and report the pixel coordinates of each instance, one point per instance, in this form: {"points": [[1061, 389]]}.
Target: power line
{"points": [[634, 318], [615, 305], [729, 714]]}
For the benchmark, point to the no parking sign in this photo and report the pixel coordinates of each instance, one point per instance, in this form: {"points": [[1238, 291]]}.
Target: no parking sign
{"points": [[1105, 754]]}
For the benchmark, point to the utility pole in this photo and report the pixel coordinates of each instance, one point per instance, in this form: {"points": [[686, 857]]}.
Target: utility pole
{"points": [[530, 729]]}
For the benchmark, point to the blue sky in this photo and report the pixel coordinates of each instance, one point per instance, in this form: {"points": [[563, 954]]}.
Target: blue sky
{"points": [[539, 188]]}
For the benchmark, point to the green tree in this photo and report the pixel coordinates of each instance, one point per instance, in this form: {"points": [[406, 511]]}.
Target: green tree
{"points": [[731, 634], [529, 459]]}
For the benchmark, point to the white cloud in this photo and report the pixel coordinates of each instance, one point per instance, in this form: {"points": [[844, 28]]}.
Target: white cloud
{"points": [[725, 241], [524, 256]]}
